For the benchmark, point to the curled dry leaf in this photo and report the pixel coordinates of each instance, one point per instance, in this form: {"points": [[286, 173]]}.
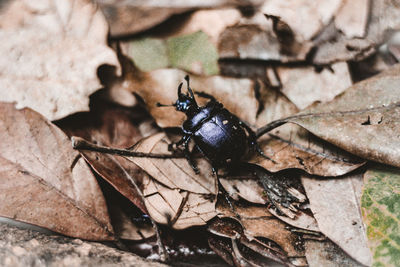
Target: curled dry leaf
{"points": [[178, 208], [352, 18], [174, 173], [363, 120], [381, 213], [335, 204], [44, 181], [55, 49], [161, 86]]}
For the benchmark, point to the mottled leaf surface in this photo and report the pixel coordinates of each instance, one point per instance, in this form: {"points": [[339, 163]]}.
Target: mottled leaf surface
{"points": [[44, 181], [364, 120], [381, 212]]}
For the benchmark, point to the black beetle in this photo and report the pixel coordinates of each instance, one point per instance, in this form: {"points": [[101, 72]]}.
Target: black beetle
{"points": [[218, 134]]}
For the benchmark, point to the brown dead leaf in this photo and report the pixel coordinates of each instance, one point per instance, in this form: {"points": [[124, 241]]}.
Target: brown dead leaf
{"points": [[45, 182], [294, 147], [174, 173], [364, 120], [256, 38], [304, 86], [161, 86], [336, 206], [51, 52], [178, 208]]}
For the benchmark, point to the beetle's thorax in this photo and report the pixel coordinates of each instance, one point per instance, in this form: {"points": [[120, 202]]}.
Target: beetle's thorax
{"points": [[195, 118]]}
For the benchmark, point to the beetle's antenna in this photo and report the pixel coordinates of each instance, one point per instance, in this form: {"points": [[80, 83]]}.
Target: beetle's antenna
{"points": [[164, 105], [190, 89]]}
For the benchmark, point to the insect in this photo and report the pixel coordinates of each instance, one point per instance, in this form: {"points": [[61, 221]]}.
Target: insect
{"points": [[217, 133]]}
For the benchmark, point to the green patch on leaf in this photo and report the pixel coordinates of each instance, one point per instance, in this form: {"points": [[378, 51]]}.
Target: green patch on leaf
{"points": [[192, 52], [380, 204], [149, 54]]}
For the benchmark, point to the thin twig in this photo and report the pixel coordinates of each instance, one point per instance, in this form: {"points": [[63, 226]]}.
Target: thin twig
{"points": [[82, 144]]}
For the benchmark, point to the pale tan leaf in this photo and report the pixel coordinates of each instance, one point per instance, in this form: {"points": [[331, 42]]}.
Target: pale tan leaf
{"points": [[305, 17], [178, 208], [352, 18], [51, 51], [304, 86], [44, 181], [335, 204], [174, 173]]}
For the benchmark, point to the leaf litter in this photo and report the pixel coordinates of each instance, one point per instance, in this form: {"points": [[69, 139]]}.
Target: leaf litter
{"points": [[246, 39]]}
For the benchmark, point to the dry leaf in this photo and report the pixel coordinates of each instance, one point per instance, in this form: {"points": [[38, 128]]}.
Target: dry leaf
{"points": [[306, 18], [45, 182], [352, 18], [294, 147], [178, 208], [336, 207], [174, 173], [363, 120], [55, 49], [304, 86]]}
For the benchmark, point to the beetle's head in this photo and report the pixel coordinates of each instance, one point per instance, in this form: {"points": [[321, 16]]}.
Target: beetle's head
{"points": [[185, 102]]}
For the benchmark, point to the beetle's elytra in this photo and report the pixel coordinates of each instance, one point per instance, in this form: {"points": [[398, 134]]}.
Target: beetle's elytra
{"points": [[218, 134]]}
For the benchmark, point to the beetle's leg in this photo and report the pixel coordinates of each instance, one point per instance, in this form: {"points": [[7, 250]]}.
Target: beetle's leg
{"points": [[253, 141], [188, 156], [177, 144], [205, 95]]}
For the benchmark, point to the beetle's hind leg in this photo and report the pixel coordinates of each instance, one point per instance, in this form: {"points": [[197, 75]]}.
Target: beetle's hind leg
{"points": [[253, 141]]}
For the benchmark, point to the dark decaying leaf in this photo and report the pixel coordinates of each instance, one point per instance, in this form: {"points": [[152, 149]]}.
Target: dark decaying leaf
{"points": [[335, 204], [381, 213], [44, 181], [259, 224], [364, 120]]}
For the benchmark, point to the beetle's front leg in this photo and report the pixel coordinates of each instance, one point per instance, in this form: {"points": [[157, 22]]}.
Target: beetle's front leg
{"points": [[205, 95], [253, 140], [188, 156], [177, 144]]}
